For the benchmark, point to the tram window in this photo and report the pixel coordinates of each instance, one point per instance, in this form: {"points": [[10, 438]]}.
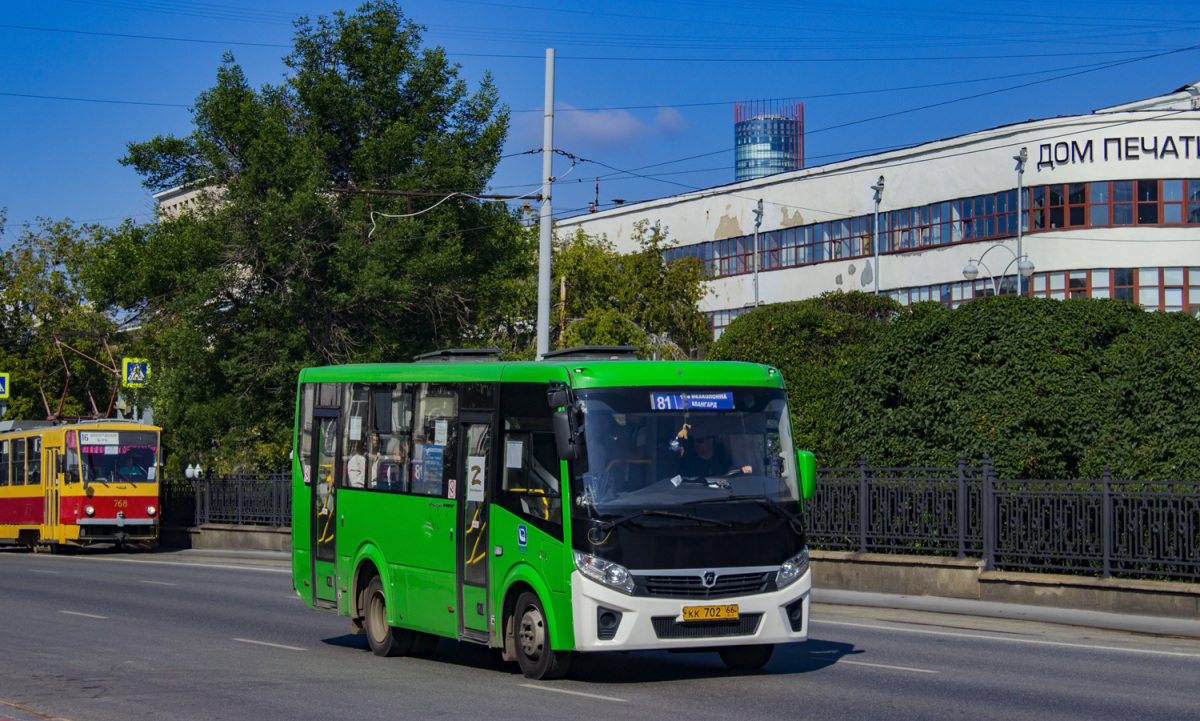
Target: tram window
{"points": [[72, 458], [3, 463], [18, 462], [33, 464]]}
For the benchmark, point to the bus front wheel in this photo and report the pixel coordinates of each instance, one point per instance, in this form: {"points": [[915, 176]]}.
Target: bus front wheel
{"points": [[383, 639], [747, 658], [534, 654]]}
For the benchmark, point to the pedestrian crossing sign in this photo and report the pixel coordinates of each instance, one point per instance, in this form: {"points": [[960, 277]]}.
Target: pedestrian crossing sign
{"points": [[134, 372], [3, 386]]}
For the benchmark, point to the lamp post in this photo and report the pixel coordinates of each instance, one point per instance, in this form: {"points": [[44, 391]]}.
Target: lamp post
{"points": [[878, 188], [758, 214], [1024, 267], [1020, 158]]}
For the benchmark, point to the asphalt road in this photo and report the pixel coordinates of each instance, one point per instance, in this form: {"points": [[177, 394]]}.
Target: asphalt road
{"points": [[102, 636]]}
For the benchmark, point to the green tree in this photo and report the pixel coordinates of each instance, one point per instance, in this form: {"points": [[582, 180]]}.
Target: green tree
{"points": [[42, 303], [811, 342], [300, 251], [640, 299]]}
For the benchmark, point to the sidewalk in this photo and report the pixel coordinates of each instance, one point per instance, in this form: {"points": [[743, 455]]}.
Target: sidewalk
{"points": [[1043, 614]]}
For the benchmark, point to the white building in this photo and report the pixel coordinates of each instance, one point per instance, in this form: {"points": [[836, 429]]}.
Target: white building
{"points": [[1111, 208]]}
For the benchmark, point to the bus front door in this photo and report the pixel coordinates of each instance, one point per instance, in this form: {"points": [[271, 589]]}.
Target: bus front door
{"points": [[473, 549], [324, 509]]}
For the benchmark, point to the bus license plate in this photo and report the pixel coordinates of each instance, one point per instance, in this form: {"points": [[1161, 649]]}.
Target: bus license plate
{"points": [[710, 613]]}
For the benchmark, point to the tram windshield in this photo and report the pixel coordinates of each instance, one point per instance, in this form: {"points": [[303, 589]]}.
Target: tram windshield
{"points": [[112, 457]]}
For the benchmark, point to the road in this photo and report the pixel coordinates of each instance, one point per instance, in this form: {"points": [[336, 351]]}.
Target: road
{"points": [[106, 636]]}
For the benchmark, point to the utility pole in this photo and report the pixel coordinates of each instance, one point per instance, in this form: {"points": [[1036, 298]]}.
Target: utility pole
{"points": [[543, 302]]}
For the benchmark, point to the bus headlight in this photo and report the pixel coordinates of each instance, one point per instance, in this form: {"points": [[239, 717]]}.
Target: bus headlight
{"points": [[610, 574], [792, 569], [150, 511], [89, 510]]}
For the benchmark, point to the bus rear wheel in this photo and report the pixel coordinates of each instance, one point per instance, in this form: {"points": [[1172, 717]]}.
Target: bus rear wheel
{"points": [[747, 658], [383, 639], [534, 654]]}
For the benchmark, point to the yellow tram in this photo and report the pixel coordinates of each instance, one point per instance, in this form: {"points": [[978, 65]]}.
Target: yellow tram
{"points": [[78, 484]]}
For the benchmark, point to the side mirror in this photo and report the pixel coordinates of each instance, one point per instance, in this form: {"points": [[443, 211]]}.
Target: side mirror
{"points": [[806, 462], [565, 436], [558, 395]]}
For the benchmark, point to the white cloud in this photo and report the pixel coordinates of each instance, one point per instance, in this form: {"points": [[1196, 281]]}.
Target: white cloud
{"points": [[576, 130]]}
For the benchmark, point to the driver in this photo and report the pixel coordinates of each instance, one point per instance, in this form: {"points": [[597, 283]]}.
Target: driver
{"points": [[706, 455]]}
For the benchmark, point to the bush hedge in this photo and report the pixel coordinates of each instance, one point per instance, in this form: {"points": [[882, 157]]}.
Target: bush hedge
{"points": [[1050, 389]]}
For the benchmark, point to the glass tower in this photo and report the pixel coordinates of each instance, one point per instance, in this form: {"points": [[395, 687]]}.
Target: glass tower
{"points": [[768, 138]]}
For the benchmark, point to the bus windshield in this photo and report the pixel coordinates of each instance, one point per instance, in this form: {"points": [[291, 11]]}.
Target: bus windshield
{"points": [[114, 456], [676, 450]]}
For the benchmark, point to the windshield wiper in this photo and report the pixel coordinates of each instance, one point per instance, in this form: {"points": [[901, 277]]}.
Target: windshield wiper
{"points": [[763, 500], [606, 525]]}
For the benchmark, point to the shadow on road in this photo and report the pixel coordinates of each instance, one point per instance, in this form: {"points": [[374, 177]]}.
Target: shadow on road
{"points": [[634, 667]]}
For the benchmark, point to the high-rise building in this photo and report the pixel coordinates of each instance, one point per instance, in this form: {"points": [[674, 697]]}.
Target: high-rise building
{"points": [[768, 138]]}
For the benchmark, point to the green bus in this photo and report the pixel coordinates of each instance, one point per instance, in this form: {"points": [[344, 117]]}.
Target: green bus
{"points": [[586, 502]]}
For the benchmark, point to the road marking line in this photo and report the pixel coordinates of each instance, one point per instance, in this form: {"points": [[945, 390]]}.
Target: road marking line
{"points": [[272, 645], [1033, 641], [39, 714], [883, 665], [85, 615], [34, 570], [200, 565], [575, 693], [160, 583]]}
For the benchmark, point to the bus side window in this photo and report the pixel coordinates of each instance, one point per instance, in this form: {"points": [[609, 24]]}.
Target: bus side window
{"points": [[388, 449], [531, 484], [306, 424], [18, 462], [3, 463], [435, 439]]}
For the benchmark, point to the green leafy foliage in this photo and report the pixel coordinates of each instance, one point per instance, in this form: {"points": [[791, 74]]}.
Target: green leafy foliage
{"points": [[287, 261], [812, 342], [638, 299], [42, 304], [1050, 389]]}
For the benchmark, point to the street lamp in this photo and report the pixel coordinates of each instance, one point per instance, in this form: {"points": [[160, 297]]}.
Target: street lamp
{"points": [[1020, 158], [758, 214], [878, 188], [1024, 267]]}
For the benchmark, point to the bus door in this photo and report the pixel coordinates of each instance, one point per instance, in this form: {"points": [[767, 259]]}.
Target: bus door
{"points": [[476, 474], [51, 531], [324, 507]]}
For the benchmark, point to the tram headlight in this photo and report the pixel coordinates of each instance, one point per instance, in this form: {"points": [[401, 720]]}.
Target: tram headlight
{"points": [[89, 510], [613, 575], [150, 511], [792, 569]]}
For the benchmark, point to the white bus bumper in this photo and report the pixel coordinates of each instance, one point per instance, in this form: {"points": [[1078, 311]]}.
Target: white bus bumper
{"points": [[648, 622]]}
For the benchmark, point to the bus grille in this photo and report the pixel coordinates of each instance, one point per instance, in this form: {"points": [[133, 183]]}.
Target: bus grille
{"points": [[668, 627], [692, 586]]}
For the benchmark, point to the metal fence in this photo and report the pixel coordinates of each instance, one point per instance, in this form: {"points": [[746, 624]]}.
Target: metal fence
{"points": [[1104, 527], [262, 499]]}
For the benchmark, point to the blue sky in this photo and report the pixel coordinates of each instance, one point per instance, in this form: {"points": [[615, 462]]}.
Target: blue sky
{"points": [[644, 90]]}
